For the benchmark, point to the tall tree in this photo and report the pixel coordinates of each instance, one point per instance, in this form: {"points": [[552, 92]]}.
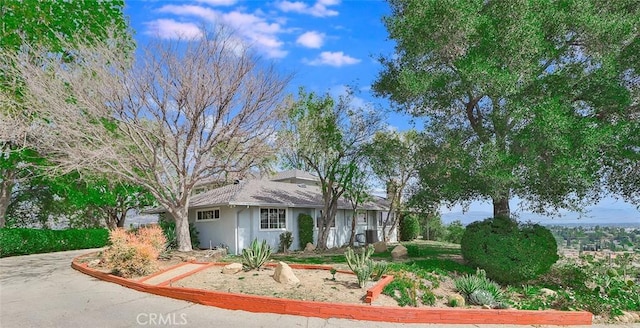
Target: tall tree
{"points": [[328, 136], [357, 193], [179, 112], [522, 97], [48, 23], [394, 160]]}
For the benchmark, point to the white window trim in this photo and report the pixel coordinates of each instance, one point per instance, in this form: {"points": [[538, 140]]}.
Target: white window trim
{"points": [[207, 210], [286, 218]]}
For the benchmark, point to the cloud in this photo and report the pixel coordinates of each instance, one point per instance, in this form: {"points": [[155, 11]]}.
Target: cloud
{"points": [[311, 39], [319, 9], [171, 29], [219, 2], [335, 59], [252, 28]]}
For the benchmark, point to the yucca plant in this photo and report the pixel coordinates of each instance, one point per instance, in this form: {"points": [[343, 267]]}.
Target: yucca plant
{"points": [[255, 256], [468, 284], [482, 297]]}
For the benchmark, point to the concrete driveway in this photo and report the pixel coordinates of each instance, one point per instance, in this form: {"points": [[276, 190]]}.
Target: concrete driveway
{"points": [[44, 291]]}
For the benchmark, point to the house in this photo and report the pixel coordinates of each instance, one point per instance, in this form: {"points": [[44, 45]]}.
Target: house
{"points": [[263, 208]]}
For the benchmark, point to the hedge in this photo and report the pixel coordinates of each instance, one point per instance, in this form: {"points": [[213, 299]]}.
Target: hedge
{"points": [[305, 230], [33, 241]]}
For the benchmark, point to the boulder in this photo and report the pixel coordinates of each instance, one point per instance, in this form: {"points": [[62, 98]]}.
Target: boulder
{"points": [[310, 247], [94, 263], [380, 247], [456, 300], [399, 252], [284, 274], [548, 292], [232, 268]]}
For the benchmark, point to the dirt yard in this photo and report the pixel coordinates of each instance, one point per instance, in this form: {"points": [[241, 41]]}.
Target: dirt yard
{"points": [[315, 285]]}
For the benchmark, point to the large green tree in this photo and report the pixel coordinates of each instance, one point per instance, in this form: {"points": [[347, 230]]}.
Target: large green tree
{"points": [[520, 97], [328, 137], [47, 23]]}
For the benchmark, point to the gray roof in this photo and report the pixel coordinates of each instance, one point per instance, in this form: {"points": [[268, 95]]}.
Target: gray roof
{"points": [[272, 193], [294, 174]]}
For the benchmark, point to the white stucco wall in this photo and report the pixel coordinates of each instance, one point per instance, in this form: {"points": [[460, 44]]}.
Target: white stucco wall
{"points": [[217, 232]]}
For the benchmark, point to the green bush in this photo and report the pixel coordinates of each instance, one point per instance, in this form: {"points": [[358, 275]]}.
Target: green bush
{"points": [[509, 252], [286, 239], [455, 231], [305, 230], [20, 241], [169, 230], [409, 227]]}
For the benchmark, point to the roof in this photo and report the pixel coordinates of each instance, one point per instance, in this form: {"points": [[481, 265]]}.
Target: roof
{"points": [[272, 193], [294, 174]]}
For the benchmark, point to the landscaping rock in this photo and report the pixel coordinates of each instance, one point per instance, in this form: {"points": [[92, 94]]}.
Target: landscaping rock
{"points": [[399, 252], [94, 263], [380, 247], [310, 247], [628, 317], [457, 299], [190, 259], [284, 274], [232, 268], [548, 292]]}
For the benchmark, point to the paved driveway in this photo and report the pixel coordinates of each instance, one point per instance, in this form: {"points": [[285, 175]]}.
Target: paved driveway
{"points": [[44, 291]]}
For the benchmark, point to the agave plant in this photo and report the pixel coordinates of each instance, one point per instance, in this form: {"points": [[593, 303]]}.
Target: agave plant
{"points": [[255, 256], [482, 297]]}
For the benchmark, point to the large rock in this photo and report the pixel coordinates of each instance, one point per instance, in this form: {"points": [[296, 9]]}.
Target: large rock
{"points": [[399, 252], [310, 247], [284, 274], [232, 268], [380, 247]]}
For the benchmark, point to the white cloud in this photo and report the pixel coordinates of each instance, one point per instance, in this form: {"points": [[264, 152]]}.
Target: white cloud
{"points": [[252, 28], [311, 39], [219, 2], [171, 29], [335, 59], [319, 9], [189, 10]]}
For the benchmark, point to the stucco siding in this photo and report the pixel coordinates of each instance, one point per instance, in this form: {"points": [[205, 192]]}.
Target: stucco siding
{"points": [[219, 232]]}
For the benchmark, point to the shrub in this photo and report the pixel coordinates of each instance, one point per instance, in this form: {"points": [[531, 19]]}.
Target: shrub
{"points": [[470, 283], [134, 253], [482, 297], [286, 239], [169, 230], [305, 229], [409, 227], [20, 241], [455, 231], [255, 256], [507, 251]]}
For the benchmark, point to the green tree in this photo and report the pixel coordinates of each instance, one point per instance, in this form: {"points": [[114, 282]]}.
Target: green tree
{"points": [[521, 97], [455, 231], [357, 193], [46, 23], [393, 157], [328, 137]]}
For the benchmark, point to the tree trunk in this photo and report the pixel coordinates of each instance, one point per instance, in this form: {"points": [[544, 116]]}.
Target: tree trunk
{"points": [[352, 237], [501, 206], [183, 236], [327, 218], [6, 186], [122, 218]]}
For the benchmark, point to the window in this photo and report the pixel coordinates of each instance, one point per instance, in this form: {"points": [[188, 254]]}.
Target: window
{"points": [[208, 215], [362, 218], [273, 218]]}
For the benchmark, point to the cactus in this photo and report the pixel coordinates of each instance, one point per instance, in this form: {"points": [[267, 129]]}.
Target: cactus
{"points": [[379, 269], [482, 297], [255, 256], [361, 264]]}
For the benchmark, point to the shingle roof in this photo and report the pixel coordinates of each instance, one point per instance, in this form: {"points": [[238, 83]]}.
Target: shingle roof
{"points": [[294, 174], [271, 193]]}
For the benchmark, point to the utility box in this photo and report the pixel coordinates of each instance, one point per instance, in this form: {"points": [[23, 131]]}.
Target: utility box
{"points": [[371, 236]]}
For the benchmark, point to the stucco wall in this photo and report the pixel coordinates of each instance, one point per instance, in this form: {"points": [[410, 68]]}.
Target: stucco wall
{"points": [[215, 233]]}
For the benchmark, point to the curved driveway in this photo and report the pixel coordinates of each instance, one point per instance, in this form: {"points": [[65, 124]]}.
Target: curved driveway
{"points": [[44, 291]]}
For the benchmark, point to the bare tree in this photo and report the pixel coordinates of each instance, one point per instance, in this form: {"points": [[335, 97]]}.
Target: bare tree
{"points": [[178, 112]]}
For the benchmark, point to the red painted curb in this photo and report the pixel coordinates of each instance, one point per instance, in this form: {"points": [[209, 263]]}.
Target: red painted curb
{"points": [[264, 304]]}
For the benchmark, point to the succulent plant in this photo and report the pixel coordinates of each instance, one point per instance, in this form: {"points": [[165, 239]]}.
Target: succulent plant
{"points": [[482, 297]]}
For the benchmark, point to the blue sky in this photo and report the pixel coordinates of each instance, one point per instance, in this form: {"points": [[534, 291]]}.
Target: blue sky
{"points": [[327, 45]]}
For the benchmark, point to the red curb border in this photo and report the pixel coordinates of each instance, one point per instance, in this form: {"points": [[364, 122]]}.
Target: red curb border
{"points": [[265, 304]]}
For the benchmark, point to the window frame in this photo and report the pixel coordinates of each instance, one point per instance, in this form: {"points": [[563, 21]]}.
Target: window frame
{"points": [[215, 210], [269, 209]]}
